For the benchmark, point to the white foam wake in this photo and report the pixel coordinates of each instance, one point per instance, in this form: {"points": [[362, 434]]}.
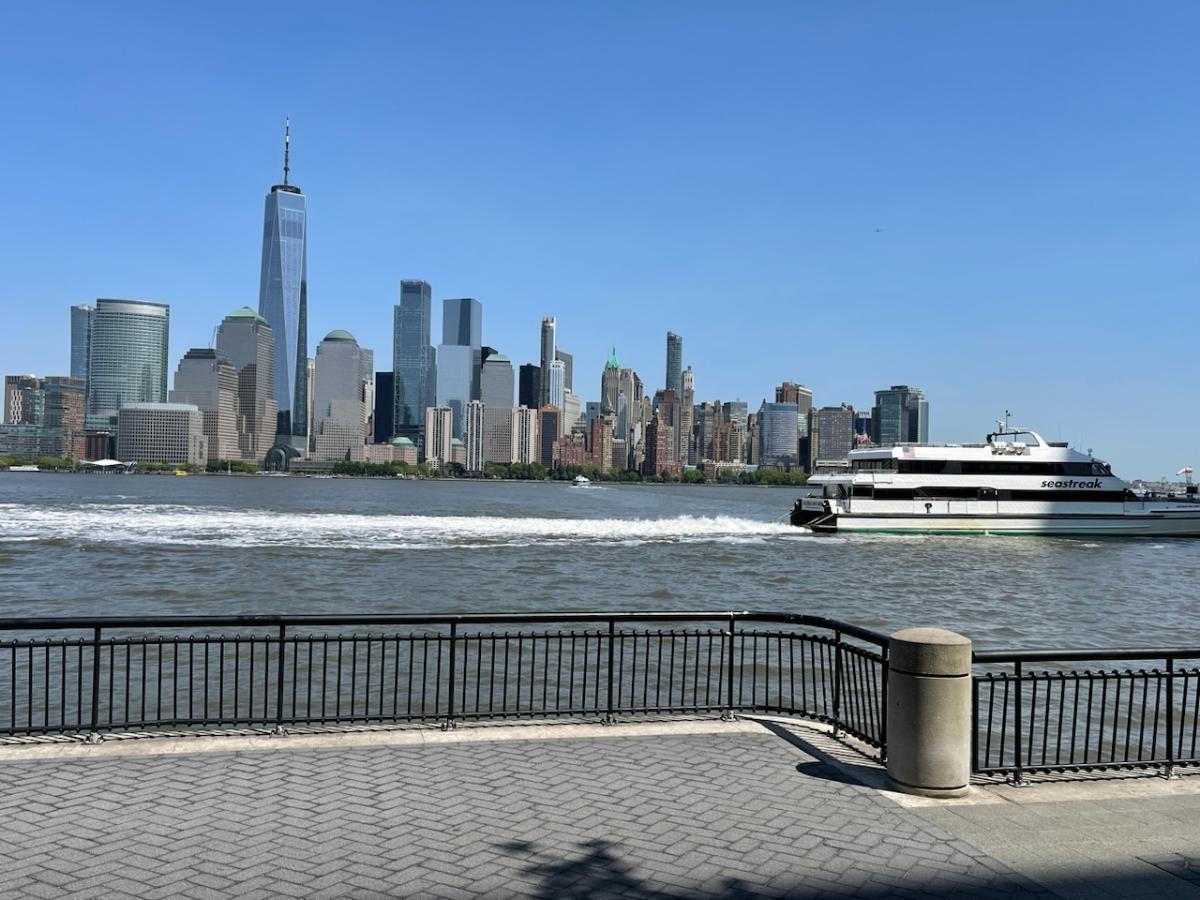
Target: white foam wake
{"points": [[205, 526]]}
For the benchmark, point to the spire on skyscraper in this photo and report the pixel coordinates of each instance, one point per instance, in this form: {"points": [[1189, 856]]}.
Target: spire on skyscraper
{"points": [[287, 127]]}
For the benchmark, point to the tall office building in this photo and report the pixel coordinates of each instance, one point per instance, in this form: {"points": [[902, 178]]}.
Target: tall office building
{"points": [[833, 437], [496, 392], [283, 302], [459, 358], [900, 416], [778, 430], [81, 339], [674, 380], [413, 360], [338, 409], [127, 362], [439, 436], [63, 417], [687, 418], [558, 388], [621, 393], [568, 362], [791, 392], [548, 433], [547, 357], [524, 435], [209, 382], [462, 322], [473, 436], [246, 340], [529, 385], [385, 398], [23, 400]]}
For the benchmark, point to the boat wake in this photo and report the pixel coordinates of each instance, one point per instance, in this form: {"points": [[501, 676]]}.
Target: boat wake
{"points": [[167, 525]]}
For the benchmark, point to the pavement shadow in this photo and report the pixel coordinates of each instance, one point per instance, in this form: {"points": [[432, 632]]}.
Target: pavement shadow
{"points": [[824, 765], [598, 871]]}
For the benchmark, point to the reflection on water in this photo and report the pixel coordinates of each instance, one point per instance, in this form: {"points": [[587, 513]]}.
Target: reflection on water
{"points": [[73, 545]]}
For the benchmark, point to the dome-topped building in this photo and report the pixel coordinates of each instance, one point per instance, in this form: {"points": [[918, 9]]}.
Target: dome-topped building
{"points": [[339, 407]]}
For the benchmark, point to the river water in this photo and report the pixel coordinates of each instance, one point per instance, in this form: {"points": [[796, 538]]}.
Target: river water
{"points": [[159, 545]]}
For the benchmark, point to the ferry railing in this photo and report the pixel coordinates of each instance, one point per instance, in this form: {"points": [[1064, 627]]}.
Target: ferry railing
{"points": [[1035, 712], [93, 676]]}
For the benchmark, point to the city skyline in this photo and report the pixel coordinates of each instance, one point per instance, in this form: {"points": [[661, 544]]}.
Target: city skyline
{"points": [[971, 296]]}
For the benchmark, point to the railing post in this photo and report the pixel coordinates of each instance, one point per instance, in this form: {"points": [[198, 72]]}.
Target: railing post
{"points": [[449, 723], [611, 718], [728, 715], [279, 729], [1018, 775], [883, 711], [1169, 768], [837, 682], [929, 716], [94, 735]]}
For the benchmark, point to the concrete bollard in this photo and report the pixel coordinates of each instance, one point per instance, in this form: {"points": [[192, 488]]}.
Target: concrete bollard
{"points": [[929, 712]]}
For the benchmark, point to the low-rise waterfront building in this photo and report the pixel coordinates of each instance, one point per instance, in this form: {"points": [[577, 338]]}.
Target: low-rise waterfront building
{"points": [[162, 432]]}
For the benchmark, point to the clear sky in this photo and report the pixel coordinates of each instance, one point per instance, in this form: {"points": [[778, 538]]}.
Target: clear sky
{"points": [[996, 202]]}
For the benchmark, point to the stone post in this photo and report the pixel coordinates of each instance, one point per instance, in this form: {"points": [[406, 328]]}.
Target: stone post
{"points": [[929, 712]]}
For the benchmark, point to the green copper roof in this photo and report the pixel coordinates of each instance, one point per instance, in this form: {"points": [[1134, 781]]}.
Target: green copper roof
{"points": [[401, 442], [245, 313], [340, 335], [613, 362]]}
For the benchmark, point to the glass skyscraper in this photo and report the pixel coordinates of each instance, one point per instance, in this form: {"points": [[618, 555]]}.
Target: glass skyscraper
{"points": [[900, 415], [778, 433], [127, 362], [674, 380], [283, 302], [81, 339], [548, 336], [413, 365]]}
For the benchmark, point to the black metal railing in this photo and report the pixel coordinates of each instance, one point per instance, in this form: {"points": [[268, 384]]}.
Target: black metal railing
{"points": [[1034, 713], [91, 676]]}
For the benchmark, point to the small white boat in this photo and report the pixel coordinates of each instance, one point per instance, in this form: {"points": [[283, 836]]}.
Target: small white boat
{"points": [[24, 469], [581, 481]]}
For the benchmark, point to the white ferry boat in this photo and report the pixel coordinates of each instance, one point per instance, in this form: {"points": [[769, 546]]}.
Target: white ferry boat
{"points": [[1014, 483]]}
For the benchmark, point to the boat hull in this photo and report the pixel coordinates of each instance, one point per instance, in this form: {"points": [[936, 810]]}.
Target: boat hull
{"points": [[1165, 525]]}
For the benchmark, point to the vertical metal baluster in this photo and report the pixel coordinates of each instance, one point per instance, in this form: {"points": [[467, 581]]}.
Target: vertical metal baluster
{"points": [[1169, 768], [837, 682], [450, 690], [571, 699], [396, 678], [729, 705], [609, 717], [279, 670], [520, 659], [671, 671], [883, 704], [354, 641], [95, 723], [128, 680], [1019, 775]]}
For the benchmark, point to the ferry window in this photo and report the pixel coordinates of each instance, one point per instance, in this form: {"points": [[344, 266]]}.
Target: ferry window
{"points": [[923, 466], [1100, 469], [863, 490]]}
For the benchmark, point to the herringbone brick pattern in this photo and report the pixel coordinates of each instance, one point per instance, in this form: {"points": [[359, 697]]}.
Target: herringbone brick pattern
{"points": [[663, 817]]}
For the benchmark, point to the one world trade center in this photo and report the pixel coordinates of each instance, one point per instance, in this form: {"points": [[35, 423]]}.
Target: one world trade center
{"points": [[283, 302]]}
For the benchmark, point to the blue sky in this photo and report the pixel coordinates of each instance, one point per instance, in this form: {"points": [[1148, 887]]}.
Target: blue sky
{"points": [[997, 202]]}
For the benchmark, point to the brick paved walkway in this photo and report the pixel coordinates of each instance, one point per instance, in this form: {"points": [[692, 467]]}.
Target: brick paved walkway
{"points": [[662, 817]]}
